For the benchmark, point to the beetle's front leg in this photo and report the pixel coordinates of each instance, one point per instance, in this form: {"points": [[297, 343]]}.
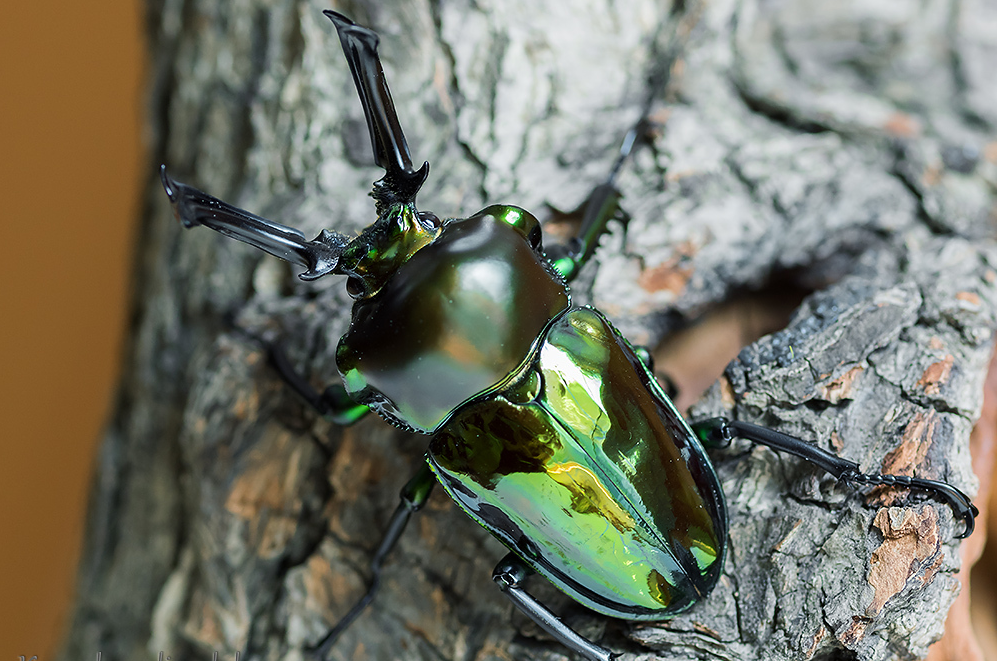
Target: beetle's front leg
{"points": [[413, 496], [509, 573], [602, 206], [332, 403]]}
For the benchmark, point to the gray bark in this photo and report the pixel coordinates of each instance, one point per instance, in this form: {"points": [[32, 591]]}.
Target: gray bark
{"points": [[849, 148]]}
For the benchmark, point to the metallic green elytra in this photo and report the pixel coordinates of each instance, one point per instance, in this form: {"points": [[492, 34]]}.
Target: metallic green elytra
{"points": [[584, 468], [549, 428]]}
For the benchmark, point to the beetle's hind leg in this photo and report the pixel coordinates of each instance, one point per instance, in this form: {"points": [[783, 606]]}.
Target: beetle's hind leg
{"points": [[509, 573], [717, 432], [413, 496]]}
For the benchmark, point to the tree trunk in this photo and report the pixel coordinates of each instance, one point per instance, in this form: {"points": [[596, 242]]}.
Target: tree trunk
{"points": [[842, 148]]}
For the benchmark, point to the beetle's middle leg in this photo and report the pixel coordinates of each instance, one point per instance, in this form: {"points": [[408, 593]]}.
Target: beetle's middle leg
{"points": [[413, 496], [602, 206], [509, 573], [646, 356]]}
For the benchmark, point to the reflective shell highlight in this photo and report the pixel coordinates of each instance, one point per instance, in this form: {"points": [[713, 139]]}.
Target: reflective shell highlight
{"points": [[584, 468], [455, 320]]}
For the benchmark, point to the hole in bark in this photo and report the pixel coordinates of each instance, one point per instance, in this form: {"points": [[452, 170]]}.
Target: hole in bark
{"points": [[696, 356], [836, 654]]}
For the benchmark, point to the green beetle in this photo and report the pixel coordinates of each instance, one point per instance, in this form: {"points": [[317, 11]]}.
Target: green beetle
{"points": [[547, 425], [549, 428]]}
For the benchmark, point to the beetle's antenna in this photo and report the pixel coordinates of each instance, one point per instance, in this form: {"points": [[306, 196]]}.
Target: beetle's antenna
{"points": [[194, 207], [400, 182], [718, 432]]}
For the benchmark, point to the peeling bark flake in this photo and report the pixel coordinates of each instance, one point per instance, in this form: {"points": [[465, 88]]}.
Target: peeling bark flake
{"points": [[841, 388], [854, 633], [936, 375], [669, 276], [968, 297], [910, 540], [819, 636], [914, 445], [902, 125]]}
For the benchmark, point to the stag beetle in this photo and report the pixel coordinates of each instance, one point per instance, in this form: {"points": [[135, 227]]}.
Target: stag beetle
{"points": [[549, 429]]}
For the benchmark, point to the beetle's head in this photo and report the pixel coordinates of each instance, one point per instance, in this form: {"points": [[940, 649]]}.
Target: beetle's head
{"points": [[380, 250]]}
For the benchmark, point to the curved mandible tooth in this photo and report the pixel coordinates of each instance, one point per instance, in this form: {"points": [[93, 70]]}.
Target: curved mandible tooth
{"points": [[401, 182], [193, 207]]}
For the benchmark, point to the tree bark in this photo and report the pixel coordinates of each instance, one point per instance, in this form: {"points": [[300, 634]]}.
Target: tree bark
{"points": [[849, 150]]}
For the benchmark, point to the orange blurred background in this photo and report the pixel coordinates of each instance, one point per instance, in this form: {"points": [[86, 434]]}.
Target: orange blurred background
{"points": [[70, 170]]}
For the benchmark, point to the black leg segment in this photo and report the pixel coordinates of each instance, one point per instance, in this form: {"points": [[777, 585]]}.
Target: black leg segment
{"points": [[509, 573], [602, 206], [332, 403], [717, 432], [413, 496]]}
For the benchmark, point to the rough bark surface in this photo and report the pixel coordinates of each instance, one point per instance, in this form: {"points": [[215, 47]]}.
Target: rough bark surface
{"points": [[849, 148]]}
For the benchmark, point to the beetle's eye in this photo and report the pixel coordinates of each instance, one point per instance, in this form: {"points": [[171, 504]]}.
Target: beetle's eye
{"points": [[429, 219], [355, 287], [523, 221]]}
